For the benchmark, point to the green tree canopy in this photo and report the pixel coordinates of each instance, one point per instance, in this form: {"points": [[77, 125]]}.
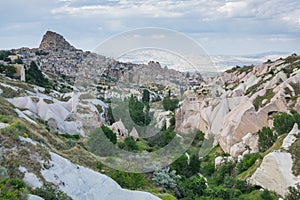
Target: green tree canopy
{"points": [[170, 104]]}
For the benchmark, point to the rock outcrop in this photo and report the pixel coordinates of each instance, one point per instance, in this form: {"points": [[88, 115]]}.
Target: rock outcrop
{"points": [[275, 171], [54, 42], [242, 101], [82, 183]]}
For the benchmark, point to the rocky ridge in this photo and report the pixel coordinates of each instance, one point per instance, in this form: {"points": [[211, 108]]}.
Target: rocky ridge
{"points": [[242, 101]]}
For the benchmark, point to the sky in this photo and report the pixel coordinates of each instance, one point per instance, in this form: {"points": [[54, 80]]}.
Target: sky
{"points": [[221, 27]]}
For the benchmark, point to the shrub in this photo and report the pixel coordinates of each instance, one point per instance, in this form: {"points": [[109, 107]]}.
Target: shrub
{"points": [[294, 193], [13, 189], [283, 123], [266, 138], [128, 180], [130, 144], [258, 100], [247, 161], [170, 104], [192, 187], [165, 178]]}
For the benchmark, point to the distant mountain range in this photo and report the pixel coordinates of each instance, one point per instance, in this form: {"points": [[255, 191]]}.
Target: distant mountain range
{"points": [[220, 62]]}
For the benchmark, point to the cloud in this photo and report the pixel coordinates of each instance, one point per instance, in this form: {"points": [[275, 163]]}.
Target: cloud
{"points": [[92, 21]]}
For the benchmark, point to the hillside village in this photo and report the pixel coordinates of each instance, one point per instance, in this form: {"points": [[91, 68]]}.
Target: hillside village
{"points": [[251, 113]]}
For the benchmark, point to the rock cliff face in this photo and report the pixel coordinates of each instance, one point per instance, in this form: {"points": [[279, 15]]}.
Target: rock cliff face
{"points": [[83, 184], [275, 172], [53, 42]]}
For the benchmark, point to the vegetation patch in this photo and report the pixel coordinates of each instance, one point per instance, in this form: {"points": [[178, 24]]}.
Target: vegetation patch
{"points": [[295, 151], [9, 92], [13, 189], [259, 99]]}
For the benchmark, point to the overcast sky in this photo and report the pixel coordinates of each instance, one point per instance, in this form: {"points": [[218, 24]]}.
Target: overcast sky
{"points": [[221, 27]]}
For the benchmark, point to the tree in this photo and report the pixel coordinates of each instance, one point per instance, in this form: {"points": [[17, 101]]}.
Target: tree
{"points": [[109, 134], [167, 137], [34, 75], [192, 187], [130, 144], [170, 104], [283, 123], [266, 138], [194, 165], [139, 112], [8, 70], [165, 178], [110, 115], [146, 96]]}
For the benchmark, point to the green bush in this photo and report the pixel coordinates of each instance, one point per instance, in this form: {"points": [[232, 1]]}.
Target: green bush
{"points": [[259, 99], [266, 138], [109, 134], [170, 104], [192, 187], [13, 189], [247, 161], [15, 130], [130, 144], [128, 180], [283, 123], [139, 112]]}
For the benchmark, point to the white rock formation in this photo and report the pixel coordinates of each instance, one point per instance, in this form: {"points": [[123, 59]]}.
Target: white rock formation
{"points": [[84, 184], [291, 137], [134, 133], [30, 178], [34, 197], [58, 113], [275, 171]]}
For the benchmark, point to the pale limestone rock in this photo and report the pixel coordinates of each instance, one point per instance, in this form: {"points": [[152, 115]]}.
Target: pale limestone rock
{"points": [[84, 184], [34, 197], [218, 161], [237, 149], [251, 141], [30, 178], [291, 137], [275, 173]]}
